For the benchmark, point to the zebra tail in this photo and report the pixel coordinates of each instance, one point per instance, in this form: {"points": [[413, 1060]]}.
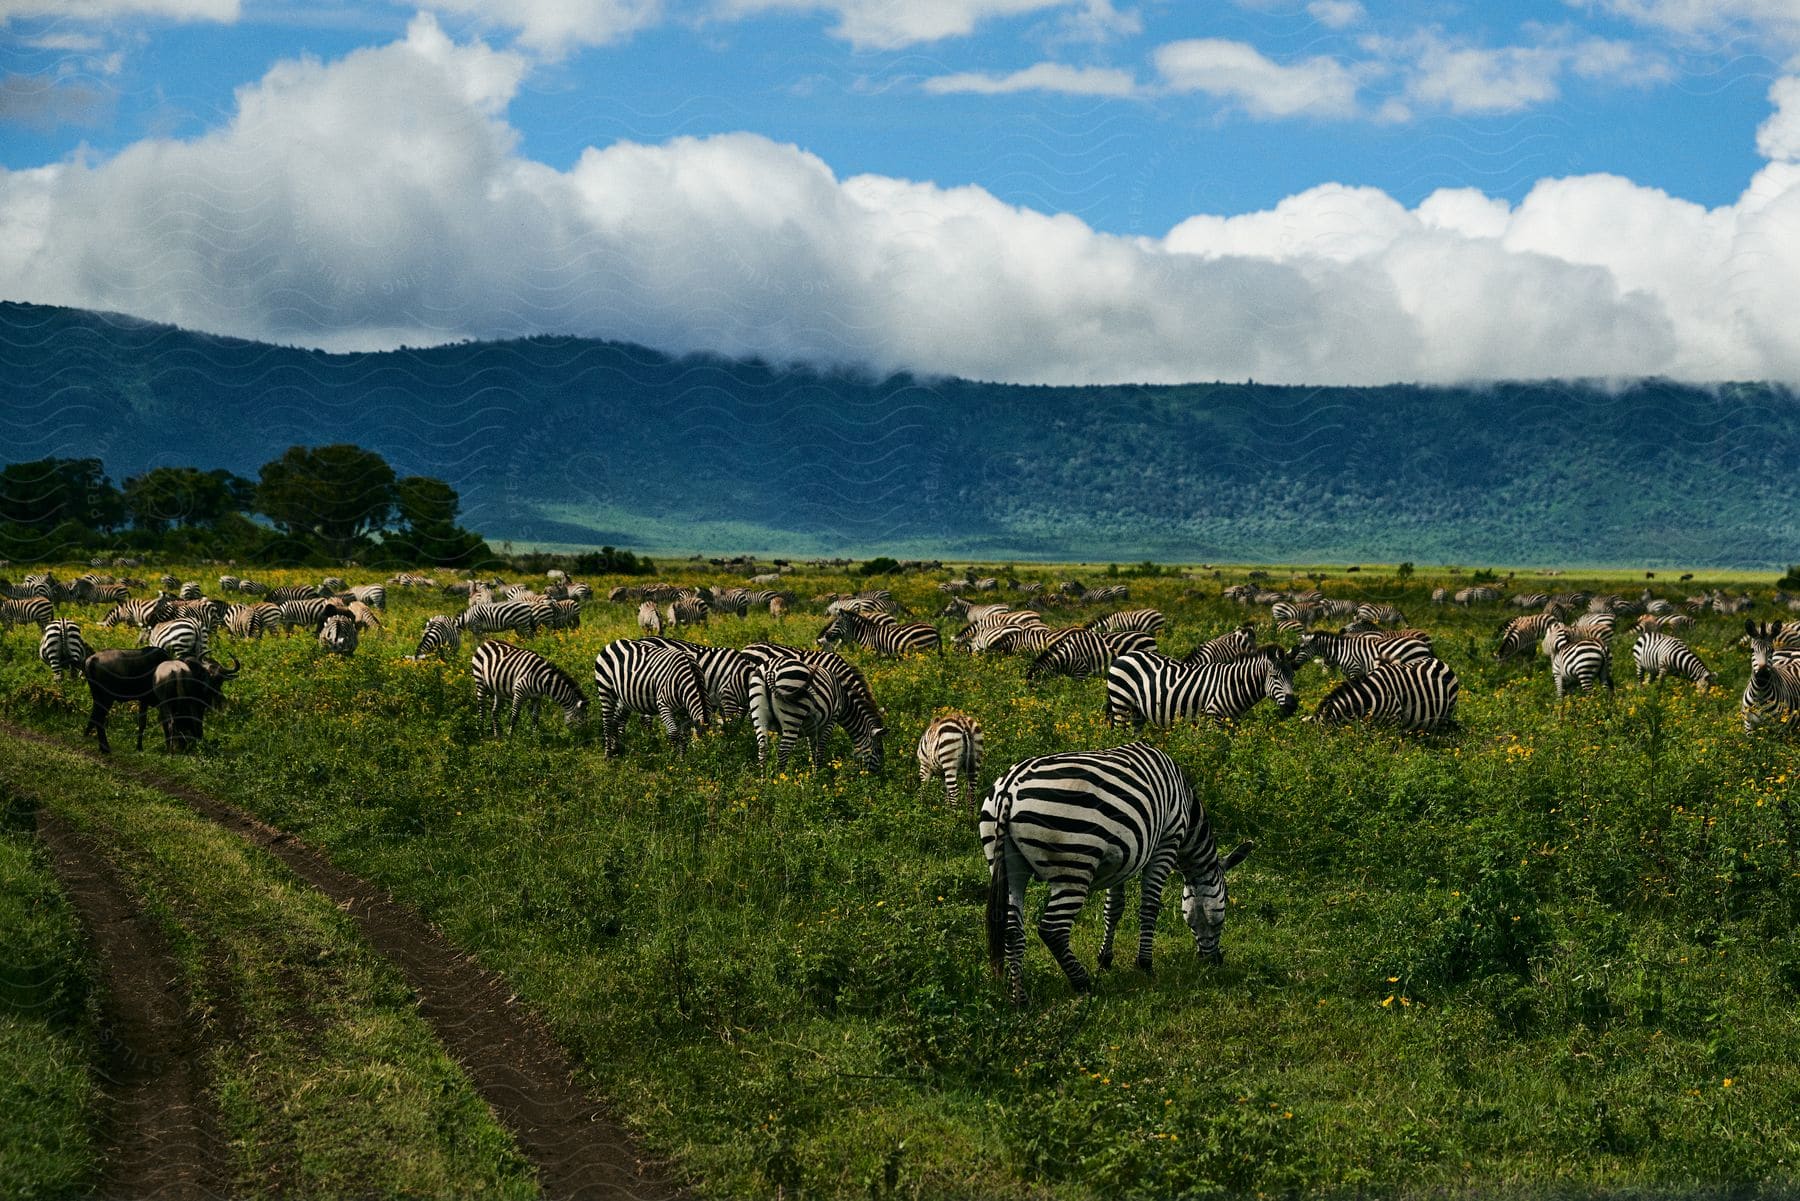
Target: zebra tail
{"points": [[999, 904]]}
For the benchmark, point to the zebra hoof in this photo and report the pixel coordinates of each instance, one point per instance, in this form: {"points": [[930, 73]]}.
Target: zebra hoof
{"points": [[1082, 983], [1104, 960], [1143, 965]]}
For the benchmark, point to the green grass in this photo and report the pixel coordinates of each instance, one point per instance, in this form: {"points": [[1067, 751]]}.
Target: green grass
{"points": [[327, 1080], [47, 1037], [1524, 958]]}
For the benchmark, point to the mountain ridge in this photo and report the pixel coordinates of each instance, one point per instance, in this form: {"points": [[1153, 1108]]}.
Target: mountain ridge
{"points": [[576, 440]]}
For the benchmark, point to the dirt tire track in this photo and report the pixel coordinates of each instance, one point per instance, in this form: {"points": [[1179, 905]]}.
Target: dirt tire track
{"points": [[159, 1137], [518, 1068]]}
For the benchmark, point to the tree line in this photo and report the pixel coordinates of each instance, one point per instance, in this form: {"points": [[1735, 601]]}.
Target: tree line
{"points": [[320, 504]]}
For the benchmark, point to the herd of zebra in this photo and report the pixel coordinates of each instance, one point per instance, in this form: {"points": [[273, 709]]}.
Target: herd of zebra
{"points": [[1082, 819]]}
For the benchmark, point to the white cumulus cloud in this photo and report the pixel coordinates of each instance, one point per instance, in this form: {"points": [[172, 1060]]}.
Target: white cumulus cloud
{"points": [[1778, 137], [111, 10], [383, 199], [892, 24], [555, 27], [1040, 77]]}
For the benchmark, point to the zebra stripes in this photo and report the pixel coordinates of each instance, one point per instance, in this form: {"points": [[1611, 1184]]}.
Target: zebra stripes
{"points": [[649, 620], [1228, 645], [252, 621], [640, 677], [951, 747], [857, 711], [1773, 690], [1082, 653], [1356, 655], [35, 610], [1419, 695], [1148, 621], [137, 612], [183, 638], [1657, 654], [725, 673], [791, 700], [440, 637], [881, 634], [1146, 687], [62, 649], [310, 613], [493, 617], [1520, 634], [1578, 661], [338, 634], [1088, 820], [504, 670]]}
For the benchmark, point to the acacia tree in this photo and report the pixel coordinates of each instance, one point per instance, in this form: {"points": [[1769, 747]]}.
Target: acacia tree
{"points": [[428, 507], [184, 496], [341, 494], [51, 492]]}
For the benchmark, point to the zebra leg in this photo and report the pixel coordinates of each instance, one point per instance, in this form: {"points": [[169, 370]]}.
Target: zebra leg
{"points": [[665, 712], [1017, 873], [1115, 909], [1066, 899], [785, 747], [1156, 873], [950, 793], [517, 703]]}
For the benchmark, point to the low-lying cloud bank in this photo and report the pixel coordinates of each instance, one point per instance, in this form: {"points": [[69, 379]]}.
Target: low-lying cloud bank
{"points": [[381, 199]]}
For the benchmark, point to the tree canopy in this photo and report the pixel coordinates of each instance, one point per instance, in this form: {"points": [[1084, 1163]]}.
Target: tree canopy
{"points": [[340, 493]]}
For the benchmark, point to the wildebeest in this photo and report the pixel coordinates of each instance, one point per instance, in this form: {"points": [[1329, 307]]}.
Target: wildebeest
{"points": [[183, 690], [129, 675]]}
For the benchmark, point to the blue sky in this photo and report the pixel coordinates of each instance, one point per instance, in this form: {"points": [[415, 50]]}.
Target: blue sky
{"points": [[968, 179]]}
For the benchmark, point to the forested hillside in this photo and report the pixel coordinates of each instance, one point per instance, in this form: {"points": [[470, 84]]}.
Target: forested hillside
{"points": [[580, 441]]}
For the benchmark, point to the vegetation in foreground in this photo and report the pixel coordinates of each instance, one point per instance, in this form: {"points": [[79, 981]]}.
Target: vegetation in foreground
{"points": [[1552, 952], [327, 1082]]}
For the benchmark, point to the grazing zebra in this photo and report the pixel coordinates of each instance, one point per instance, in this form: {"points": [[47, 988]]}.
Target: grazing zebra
{"points": [[686, 611], [881, 634], [1418, 695], [36, 611], [182, 637], [1228, 645], [191, 590], [1522, 633], [790, 700], [1440, 596], [1479, 595], [1147, 620], [1773, 691], [640, 677], [1355, 655], [169, 583], [372, 595], [61, 648], [136, 612], [649, 620], [364, 616], [951, 747], [440, 637], [310, 613], [778, 607], [1082, 653], [492, 617], [857, 711], [407, 579], [1144, 686], [724, 672], [1084, 595], [1578, 661], [1379, 614], [1658, 654], [252, 621], [338, 634], [293, 592], [504, 670], [1094, 819], [228, 583], [1672, 621], [333, 584], [1293, 614], [1595, 625]]}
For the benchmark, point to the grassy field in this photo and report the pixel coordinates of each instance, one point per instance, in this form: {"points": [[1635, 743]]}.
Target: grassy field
{"points": [[1549, 953]]}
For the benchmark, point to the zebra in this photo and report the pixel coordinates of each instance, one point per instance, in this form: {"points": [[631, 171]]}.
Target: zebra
{"points": [[251, 621], [951, 747], [169, 582], [1773, 690], [1147, 620], [1226, 646], [372, 595], [190, 590], [1083, 820], [209, 613], [1144, 686], [293, 592], [182, 637], [136, 612], [505, 670], [686, 611], [1478, 595], [1595, 625], [440, 637], [724, 672], [491, 617], [333, 584], [881, 635], [37, 611], [1379, 614], [338, 634], [61, 648], [310, 612], [228, 583], [1520, 633], [790, 700], [639, 677], [364, 616], [1417, 695], [1355, 655], [1657, 654], [857, 711], [1578, 661], [649, 620], [1081, 653], [778, 607]]}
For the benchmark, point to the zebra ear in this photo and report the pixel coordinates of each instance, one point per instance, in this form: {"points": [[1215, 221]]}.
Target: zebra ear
{"points": [[1239, 853], [1749, 627]]}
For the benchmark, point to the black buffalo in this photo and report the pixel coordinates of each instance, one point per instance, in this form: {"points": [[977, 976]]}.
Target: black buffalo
{"points": [[129, 676]]}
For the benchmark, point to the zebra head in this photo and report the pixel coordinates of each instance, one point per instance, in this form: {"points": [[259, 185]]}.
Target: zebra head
{"points": [[1278, 680], [834, 631], [1203, 899], [1762, 650]]}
